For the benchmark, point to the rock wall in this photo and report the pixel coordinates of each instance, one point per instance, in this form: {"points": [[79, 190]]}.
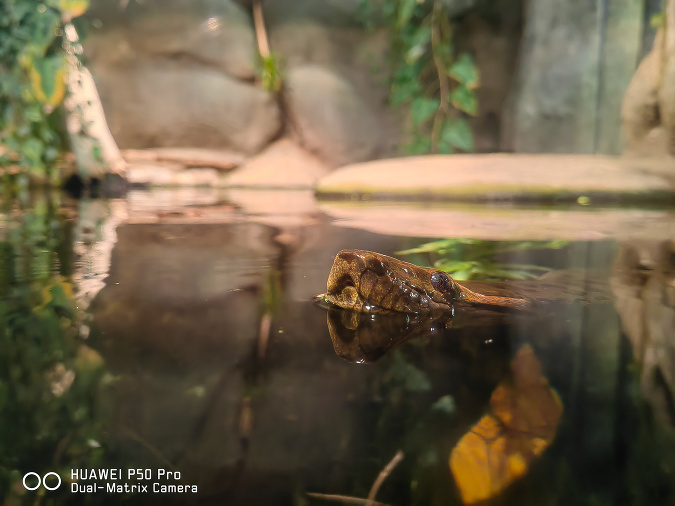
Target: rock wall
{"points": [[648, 112], [576, 60], [175, 73]]}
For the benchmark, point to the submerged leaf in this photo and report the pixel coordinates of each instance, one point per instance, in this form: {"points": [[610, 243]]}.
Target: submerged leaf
{"points": [[501, 446], [445, 404], [440, 246]]}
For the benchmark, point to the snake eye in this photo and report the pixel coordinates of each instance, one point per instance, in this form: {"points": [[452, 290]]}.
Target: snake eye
{"points": [[441, 282]]}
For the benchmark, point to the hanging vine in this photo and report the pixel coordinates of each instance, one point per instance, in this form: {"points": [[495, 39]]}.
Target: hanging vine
{"points": [[431, 80]]}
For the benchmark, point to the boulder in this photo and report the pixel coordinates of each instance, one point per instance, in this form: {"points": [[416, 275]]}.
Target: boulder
{"points": [[187, 157], [649, 102], [213, 33], [326, 12], [566, 96], [329, 118], [282, 165], [503, 176], [164, 104]]}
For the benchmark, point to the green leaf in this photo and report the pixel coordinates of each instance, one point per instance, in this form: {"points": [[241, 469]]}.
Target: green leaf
{"points": [[402, 92], [44, 33], [32, 149], [423, 108], [74, 8], [420, 145], [405, 12], [48, 77], [417, 44], [464, 71], [457, 134], [464, 99], [444, 148]]}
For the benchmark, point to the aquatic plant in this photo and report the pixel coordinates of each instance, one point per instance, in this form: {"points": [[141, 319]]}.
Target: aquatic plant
{"points": [[466, 259]]}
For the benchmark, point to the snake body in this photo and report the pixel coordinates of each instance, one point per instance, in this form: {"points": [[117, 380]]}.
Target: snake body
{"points": [[370, 282]]}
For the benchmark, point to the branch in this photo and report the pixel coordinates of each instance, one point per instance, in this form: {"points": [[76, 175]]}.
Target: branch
{"points": [[383, 476], [442, 78], [85, 113], [344, 498], [260, 30]]}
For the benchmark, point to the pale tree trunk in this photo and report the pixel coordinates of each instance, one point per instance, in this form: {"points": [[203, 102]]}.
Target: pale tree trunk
{"points": [[96, 152]]}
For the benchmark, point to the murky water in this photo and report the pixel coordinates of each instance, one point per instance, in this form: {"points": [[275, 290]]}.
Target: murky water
{"points": [[187, 358]]}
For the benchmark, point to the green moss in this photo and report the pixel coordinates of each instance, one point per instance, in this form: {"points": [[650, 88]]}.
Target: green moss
{"points": [[495, 193]]}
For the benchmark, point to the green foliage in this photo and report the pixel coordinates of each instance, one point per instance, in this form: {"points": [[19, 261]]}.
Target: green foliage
{"points": [[474, 259], [431, 79], [33, 69]]}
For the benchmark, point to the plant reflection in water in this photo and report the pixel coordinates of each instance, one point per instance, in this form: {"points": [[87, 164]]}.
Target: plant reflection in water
{"points": [[49, 379]]}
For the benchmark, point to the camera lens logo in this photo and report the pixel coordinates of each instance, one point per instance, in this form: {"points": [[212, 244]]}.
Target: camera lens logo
{"points": [[32, 481]]}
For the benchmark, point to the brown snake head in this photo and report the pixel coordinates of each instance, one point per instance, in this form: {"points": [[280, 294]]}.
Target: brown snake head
{"points": [[370, 282]]}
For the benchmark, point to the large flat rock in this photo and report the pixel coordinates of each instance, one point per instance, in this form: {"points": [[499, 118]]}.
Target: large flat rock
{"points": [[505, 176]]}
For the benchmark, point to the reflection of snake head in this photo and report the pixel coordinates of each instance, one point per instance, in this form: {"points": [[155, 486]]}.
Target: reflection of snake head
{"points": [[374, 283], [370, 282]]}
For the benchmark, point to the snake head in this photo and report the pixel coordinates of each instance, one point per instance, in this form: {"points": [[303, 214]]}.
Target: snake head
{"points": [[370, 282]]}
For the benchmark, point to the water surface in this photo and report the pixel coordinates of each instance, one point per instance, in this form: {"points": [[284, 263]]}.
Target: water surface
{"points": [[195, 347]]}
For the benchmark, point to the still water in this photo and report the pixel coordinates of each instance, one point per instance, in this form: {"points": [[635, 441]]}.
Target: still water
{"points": [[167, 359]]}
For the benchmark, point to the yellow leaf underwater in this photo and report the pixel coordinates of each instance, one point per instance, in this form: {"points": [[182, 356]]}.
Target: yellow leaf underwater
{"points": [[499, 449]]}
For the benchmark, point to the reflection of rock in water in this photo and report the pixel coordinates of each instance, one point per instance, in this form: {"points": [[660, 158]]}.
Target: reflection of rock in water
{"points": [[643, 282]]}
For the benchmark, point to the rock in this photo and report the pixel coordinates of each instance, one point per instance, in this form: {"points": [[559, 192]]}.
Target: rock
{"points": [[357, 56], [569, 85], [494, 47], [503, 176], [197, 177], [329, 118], [187, 157], [649, 101], [154, 104], [326, 12], [214, 33], [154, 175], [282, 165], [171, 175]]}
